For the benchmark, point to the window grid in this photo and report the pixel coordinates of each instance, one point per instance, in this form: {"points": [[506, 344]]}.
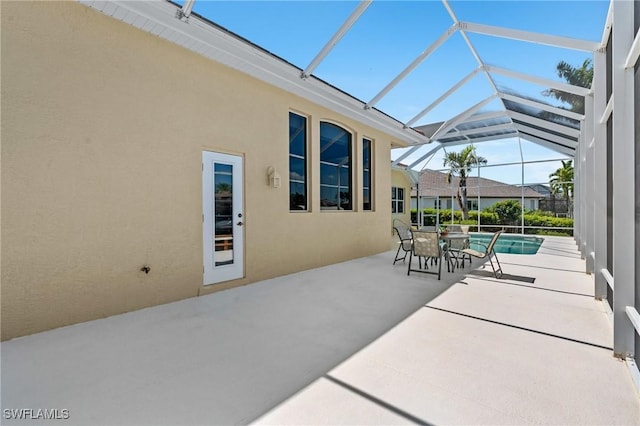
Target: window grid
{"points": [[335, 168], [367, 193], [297, 162], [397, 200]]}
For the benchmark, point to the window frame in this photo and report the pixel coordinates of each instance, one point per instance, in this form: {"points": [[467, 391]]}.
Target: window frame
{"points": [[397, 201], [325, 165], [471, 204], [305, 160], [367, 186]]}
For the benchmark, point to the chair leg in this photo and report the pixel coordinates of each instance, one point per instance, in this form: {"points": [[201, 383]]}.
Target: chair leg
{"points": [[409, 267], [496, 272], [426, 262], [397, 252], [403, 258], [498, 262], [440, 269]]}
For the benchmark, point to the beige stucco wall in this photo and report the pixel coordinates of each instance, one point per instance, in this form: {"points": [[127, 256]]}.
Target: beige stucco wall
{"points": [[103, 127]]}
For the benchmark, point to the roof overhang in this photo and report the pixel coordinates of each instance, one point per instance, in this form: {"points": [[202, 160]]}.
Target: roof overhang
{"points": [[168, 21]]}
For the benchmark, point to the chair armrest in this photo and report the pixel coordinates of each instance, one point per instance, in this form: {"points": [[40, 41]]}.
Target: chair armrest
{"points": [[481, 244]]}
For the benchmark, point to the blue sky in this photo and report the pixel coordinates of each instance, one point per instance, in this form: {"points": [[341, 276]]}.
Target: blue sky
{"points": [[391, 34]]}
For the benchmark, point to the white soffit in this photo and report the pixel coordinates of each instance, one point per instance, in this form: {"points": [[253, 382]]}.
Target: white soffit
{"points": [[208, 40]]}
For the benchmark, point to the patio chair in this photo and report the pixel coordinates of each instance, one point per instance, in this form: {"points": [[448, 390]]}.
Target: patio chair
{"points": [[404, 234], [489, 252], [427, 245]]}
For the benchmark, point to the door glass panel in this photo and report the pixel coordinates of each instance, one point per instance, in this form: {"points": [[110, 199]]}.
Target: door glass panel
{"points": [[223, 212]]}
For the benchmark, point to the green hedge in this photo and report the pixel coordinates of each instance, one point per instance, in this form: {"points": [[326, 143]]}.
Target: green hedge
{"points": [[488, 218]]}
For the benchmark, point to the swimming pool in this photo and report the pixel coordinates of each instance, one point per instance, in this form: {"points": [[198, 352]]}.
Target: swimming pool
{"points": [[507, 243]]}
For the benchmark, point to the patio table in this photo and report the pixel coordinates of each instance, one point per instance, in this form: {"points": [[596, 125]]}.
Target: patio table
{"points": [[454, 253]]}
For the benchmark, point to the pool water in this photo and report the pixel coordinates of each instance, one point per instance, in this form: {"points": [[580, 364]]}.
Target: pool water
{"points": [[514, 244]]}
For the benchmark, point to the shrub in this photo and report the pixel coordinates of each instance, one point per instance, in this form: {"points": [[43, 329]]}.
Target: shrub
{"points": [[508, 211], [541, 213], [489, 218]]}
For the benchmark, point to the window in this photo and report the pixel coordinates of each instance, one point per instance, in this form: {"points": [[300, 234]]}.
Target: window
{"points": [[335, 168], [366, 175], [397, 200], [472, 205], [297, 162], [442, 204]]}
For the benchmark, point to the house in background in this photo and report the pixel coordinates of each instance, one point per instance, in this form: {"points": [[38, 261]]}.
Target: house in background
{"points": [[551, 202], [436, 192], [146, 160]]}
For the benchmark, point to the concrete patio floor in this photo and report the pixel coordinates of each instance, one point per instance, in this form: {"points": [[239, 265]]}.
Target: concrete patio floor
{"points": [[358, 342]]}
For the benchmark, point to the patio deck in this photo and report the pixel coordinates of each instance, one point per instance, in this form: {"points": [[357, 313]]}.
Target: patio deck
{"points": [[358, 342]]}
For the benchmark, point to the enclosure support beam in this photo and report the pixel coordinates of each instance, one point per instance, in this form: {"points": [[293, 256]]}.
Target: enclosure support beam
{"points": [[576, 90], [510, 135], [557, 148], [406, 154], [600, 172], [185, 12], [549, 40], [577, 229], [424, 55], [538, 122], [546, 135], [542, 106], [587, 184], [443, 97], [359, 10], [623, 180]]}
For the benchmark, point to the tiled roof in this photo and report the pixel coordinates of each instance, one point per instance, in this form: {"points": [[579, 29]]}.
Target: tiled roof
{"points": [[434, 184]]}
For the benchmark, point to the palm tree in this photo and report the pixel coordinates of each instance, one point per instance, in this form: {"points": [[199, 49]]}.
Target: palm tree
{"points": [[561, 182], [460, 164], [582, 76]]}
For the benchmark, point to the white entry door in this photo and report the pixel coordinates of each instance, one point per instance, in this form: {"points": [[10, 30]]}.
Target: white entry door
{"points": [[222, 217]]}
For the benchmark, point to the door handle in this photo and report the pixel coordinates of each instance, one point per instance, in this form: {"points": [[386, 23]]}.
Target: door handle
{"points": [[239, 223]]}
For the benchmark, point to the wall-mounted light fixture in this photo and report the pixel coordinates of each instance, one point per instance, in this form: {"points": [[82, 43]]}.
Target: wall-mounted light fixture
{"points": [[274, 177]]}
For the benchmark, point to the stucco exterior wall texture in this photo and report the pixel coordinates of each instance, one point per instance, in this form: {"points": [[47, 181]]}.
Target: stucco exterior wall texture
{"points": [[103, 127]]}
